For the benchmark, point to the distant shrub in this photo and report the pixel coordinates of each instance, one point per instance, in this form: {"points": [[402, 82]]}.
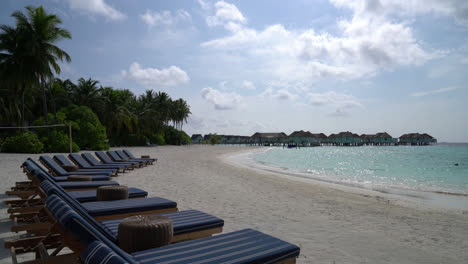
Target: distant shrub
{"points": [[214, 139], [59, 142], [26, 142], [173, 136], [136, 140], [87, 130], [157, 139]]}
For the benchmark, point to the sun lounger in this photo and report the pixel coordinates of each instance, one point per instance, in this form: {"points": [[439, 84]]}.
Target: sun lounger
{"points": [[122, 155], [105, 210], [188, 225], [82, 163], [131, 156], [93, 161], [62, 160], [106, 160], [244, 246], [90, 195], [39, 174], [59, 171], [36, 174], [115, 157]]}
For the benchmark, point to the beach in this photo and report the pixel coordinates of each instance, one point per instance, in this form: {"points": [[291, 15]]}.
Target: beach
{"points": [[331, 225]]}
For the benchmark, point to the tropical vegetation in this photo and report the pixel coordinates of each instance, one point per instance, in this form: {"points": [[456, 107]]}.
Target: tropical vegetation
{"points": [[32, 95]]}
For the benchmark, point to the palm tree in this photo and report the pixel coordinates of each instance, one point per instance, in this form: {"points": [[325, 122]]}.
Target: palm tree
{"points": [[39, 31], [116, 110], [58, 95], [86, 92], [15, 68]]}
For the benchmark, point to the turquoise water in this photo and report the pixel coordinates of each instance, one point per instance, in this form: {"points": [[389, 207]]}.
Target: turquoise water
{"points": [[417, 168]]}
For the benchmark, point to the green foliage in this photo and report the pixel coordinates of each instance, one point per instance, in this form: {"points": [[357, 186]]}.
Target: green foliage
{"points": [[26, 142], [157, 139], [27, 66], [59, 142], [136, 140], [173, 136], [87, 130], [214, 139]]}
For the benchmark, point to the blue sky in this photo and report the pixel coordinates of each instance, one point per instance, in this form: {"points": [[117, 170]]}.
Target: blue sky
{"points": [[327, 66]]}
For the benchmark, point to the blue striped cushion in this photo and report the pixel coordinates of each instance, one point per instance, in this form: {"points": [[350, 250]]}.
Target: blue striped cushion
{"points": [[244, 246], [183, 222], [47, 187], [85, 185], [62, 159], [98, 253], [70, 220], [128, 206], [90, 195]]}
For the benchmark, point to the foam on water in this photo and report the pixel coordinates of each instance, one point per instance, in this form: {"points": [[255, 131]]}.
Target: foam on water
{"points": [[429, 169]]}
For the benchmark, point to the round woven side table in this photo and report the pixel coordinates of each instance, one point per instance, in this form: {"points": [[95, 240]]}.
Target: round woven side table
{"points": [[142, 232], [70, 168], [112, 192]]}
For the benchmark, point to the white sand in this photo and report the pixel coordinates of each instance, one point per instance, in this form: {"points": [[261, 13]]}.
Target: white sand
{"points": [[330, 225]]}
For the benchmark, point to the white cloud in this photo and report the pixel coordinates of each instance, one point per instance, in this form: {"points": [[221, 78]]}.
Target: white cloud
{"points": [[365, 46], [221, 101], [341, 103], [458, 9], [226, 14], [281, 94], [151, 76], [97, 7], [154, 18], [204, 4], [248, 85], [442, 90]]}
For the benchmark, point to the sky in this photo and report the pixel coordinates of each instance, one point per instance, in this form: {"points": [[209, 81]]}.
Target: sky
{"points": [[364, 66]]}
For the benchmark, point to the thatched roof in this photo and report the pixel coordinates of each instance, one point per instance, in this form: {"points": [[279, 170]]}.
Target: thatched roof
{"points": [[383, 135], [346, 134], [365, 136], [416, 135], [269, 135], [301, 134]]}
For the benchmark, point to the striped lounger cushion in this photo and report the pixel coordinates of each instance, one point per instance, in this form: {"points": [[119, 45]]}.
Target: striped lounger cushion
{"points": [[90, 195], [98, 253], [183, 222], [244, 246], [85, 185], [127, 206]]}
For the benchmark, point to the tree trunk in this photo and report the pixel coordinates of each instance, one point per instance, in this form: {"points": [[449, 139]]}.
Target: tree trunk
{"points": [[44, 107], [22, 106]]}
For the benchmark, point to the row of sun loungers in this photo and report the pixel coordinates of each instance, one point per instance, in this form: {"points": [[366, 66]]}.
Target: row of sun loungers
{"points": [[57, 213]]}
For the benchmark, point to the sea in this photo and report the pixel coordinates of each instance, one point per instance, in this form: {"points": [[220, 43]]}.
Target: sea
{"points": [[437, 173]]}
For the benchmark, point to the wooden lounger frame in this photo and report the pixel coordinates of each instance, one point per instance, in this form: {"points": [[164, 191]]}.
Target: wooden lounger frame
{"points": [[54, 236]]}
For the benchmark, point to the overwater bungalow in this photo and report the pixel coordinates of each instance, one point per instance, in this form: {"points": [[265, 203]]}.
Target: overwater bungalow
{"points": [[304, 138], [385, 139], [196, 139], [269, 138], [346, 139], [417, 139], [367, 139]]}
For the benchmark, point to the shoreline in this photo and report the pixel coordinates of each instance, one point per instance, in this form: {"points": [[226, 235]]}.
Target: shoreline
{"points": [[427, 200], [329, 225]]}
